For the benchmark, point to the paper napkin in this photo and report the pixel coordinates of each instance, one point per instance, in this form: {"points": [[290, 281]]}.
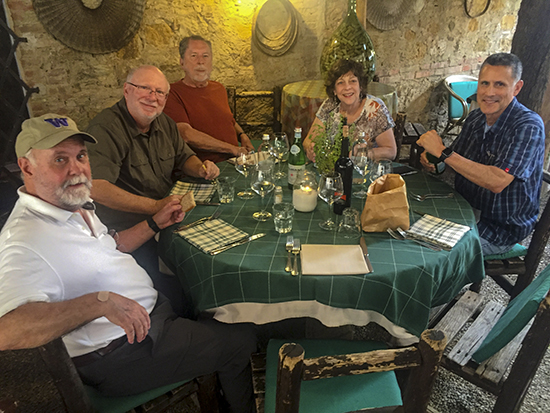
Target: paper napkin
{"points": [[320, 259]]}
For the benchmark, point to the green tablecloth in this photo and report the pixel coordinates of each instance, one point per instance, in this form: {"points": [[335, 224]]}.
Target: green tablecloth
{"points": [[248, 283]]}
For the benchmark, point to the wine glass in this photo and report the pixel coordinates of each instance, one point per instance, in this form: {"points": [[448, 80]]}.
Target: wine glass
{"points": [[243, 165], [380, 168], [262, 183], [331, 188], [279, 150], [362, 163]]}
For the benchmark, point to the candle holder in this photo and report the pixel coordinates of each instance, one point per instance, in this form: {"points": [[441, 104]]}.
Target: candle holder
{"points": [[304, 194]]}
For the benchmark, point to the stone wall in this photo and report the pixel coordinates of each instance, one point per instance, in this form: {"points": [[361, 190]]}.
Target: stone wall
{"points": [[438, 41]]}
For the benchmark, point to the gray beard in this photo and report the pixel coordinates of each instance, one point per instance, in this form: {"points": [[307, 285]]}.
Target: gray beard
{"points": [[74, 198]]}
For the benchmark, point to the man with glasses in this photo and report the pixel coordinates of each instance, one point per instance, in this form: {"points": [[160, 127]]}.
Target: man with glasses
{"points": [[200, 106], [138, 152]]}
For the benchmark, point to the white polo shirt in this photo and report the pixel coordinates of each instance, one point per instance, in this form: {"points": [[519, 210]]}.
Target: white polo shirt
{"points": [[49, 254]]}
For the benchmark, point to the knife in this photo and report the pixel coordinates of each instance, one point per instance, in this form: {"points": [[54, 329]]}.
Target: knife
{"points": [[234, 244], [363, 245], [208, 203]]}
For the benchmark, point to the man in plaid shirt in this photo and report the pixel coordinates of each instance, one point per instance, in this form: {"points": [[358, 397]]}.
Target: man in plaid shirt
{"points": [[498, 156]]}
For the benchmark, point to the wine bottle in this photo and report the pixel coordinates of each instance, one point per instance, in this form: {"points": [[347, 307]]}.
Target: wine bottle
{"points": [[296, 158], [437, 163], [344, 166], [265, 146]]}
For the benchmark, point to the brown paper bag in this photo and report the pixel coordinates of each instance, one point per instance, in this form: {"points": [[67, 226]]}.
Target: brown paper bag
{"points": [[386, 205]]}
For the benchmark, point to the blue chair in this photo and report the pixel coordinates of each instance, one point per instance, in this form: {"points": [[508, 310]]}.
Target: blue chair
{"points": [[487, 349], [333, 378], [460, 88], [53, 369]]}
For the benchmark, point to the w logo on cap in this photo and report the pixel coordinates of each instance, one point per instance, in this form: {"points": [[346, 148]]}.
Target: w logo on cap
{"points": [[57, 122]]}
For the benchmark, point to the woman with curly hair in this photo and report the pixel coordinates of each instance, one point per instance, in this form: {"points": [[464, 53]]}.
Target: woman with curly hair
{"points": [[346, 87]]}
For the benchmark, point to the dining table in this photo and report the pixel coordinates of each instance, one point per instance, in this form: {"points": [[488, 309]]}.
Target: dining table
{"points": [[248, 283]]}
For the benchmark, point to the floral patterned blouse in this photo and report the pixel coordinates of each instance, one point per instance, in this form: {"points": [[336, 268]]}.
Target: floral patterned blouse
{"points": [[375, 118]]}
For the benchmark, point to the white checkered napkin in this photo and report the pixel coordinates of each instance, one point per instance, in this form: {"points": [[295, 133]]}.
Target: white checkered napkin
{"points": [[437, 231], [201, 192], [212, 234]]}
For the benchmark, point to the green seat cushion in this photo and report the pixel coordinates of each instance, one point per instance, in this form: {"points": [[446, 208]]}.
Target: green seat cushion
{"points": [[464, 90], [121, 404], [338, 394], [517, 250], [516, 316]]}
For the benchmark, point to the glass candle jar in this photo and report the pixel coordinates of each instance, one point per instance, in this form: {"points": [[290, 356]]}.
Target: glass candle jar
{"points": [[304, 194]]}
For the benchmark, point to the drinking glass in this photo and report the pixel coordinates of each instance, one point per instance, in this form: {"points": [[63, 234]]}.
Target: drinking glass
{"points": [[262, 183], [279, 150], [361, 162], [380, 168], [243, 165], [331, 188]]}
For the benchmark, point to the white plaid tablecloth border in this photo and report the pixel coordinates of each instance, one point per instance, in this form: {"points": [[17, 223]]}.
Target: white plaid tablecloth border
{"points": [[201, 192], [438, 231], [212, 234]]}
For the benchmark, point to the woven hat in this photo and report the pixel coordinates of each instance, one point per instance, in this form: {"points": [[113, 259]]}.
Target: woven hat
{"points": [[92, 26], [46, 131], [388, 14]]}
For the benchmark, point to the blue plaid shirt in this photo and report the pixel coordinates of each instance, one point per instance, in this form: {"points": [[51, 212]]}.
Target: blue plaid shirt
{"points": [[515, 144]]}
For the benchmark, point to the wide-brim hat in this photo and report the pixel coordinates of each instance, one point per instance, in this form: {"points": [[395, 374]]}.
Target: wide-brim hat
{"points": [[46, 131], [92, 26], [388, 14]]}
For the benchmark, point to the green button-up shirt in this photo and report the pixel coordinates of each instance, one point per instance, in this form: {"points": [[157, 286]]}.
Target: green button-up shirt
{"points": [[141, 163]]}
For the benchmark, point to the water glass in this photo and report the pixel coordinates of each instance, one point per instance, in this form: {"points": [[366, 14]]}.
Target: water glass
{"points": [[226, 189], [283, 213], [350, 225]]}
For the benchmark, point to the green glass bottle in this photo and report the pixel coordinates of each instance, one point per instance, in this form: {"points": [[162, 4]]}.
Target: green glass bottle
{"points": [[296, 158], [350, 41]]}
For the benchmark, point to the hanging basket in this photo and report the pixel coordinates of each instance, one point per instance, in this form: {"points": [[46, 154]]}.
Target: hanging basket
{"points": [[91, 26]]}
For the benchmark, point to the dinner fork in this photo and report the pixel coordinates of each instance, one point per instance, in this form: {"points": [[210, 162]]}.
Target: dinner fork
{"points": [[432, 196], [199, 221], [289, 247], [296, 247], [402, 235]]}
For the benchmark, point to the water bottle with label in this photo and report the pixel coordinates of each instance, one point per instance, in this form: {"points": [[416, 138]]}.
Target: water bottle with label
{"points": [[296, 158]]}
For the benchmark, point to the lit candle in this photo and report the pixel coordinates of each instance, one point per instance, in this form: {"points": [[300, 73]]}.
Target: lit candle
{"points": [[304, 199]]}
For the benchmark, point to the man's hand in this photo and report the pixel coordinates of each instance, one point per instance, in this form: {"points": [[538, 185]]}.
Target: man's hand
{"points": [[161, 203], [170, 214], [239, 150], [428, 166], [209, 171], [431, 142], [246, 144], [129, 315]]}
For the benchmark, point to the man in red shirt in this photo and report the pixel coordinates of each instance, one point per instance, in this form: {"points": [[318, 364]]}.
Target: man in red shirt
{"points": [[200, 106]]}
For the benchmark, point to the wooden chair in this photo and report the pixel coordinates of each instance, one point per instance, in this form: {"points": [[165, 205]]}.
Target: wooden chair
{"points": [[487, 349], [349, 387], [398, 130], [410, 134], [521, 261], [262, 121], [45, 379]]}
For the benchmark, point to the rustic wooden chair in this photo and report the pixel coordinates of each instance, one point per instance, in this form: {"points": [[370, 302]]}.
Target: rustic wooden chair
{"points": [[45, 379], [345, 364], [253, 120], [487, 349], [521, 260]]}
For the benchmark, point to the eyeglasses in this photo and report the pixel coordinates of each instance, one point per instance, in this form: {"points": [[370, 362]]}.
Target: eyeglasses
{"points": [[159, 93]]}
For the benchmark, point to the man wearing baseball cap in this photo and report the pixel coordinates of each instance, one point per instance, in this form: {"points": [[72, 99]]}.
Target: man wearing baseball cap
{"points": [[63, 274]]}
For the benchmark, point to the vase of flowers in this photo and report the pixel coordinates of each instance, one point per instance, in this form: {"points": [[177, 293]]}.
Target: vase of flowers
{"points": [[328, 142]]}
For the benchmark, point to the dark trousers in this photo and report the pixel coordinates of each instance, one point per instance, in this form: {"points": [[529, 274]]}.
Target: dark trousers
{"points": [[178, 349]]}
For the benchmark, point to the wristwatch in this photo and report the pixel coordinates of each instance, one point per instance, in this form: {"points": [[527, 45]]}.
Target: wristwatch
{"points": [[445, 153]]}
